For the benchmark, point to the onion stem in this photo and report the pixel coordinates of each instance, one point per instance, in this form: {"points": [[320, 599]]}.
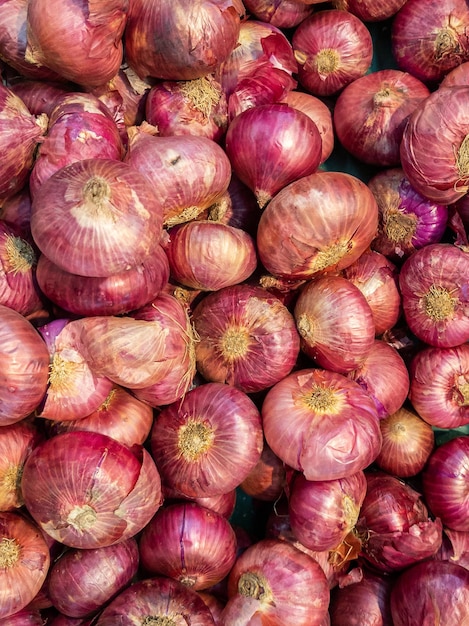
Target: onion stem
{"points": [[438, 303], [254, 586], [202, 93], [321, 400], [234, 343], [400, 227], [194, 439], [151, 620], [327, 61], [9, 552], [21, 256], [82, 517]]}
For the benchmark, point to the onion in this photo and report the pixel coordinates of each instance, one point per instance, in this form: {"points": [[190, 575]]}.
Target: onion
{"points": [[267, 478], [82, 44], [372, 111], [407, 220], [408, 442], [273, 582], [395, 524], [189, 173], [457, 76], [332, 48], [321, 424], [246, 338], [87, 490], [63, 620], [24, 617], [279, 13], [455, 547], [427, 45], [38, 95], [157, 599], [208, 442], [370, 10], [25, 360], [438, 170], [439, 386], [81, 582], [24, 562], [189, 543], [433, 284], [322, 513], [215, 604], [209, 256], [432, 591], [16, 212], [169, 42], [260, 144], [322, 222]]}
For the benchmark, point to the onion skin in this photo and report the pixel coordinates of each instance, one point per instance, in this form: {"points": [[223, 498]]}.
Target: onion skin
{"points": [[24, 617], [266, 481], [16, 212], [322, 222], [94, 508], [40, 96], [370, 10], [332, 429], [279, 13]]}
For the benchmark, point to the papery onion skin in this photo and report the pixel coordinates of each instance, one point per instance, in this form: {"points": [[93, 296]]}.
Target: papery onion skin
{"points": [[274, 583], [333, 48], [25, 561], [439, 386], [94, 508], [279, 13], [208, 442], [370, 10], [321, 423], [270, 146], [322, 222], [433, 284], [246, 338], [454, 547], [267, 479]]}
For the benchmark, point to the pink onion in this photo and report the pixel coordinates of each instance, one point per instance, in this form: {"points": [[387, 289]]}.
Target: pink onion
{"points": [[246, 338], [87, 490], [370, 10], [267, 479], [279, 13], [208, 442], [457, 76], [321, 424]]}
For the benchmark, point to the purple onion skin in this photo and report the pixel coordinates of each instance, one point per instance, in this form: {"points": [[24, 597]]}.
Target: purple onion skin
{"points": [[24, 617]]}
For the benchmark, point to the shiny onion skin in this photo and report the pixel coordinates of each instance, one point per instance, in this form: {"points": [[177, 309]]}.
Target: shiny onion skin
{"points": [[321, 424], [322, 222], [438, 170], [439, 385], [429, 45], [82, 42], [246, 338], [24, 562], [322, 513], [408, 442], [167, 41], [267, 480], [25, 369], [333, 48], [274, 583], [189, 543], [208, 442], [370, 10], [407, 220], [279, 13], [81, 582], [206, 255], [272, 145], [372, 111], [432, 592], [87, 490], [433, 284], [157, 599]]}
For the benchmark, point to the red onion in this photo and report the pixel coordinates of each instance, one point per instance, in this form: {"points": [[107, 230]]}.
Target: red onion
{"points": [[438, 170], [370, 10], [16, 212], [79, 42], [157, 599], [322, 222], [189, 107], [431, 592], [189, 173], [38, 95], [246, 338], [25, 617], [429, 45], [215, 604], [323, 512], [455, 547], [382, 364], [279, 13], [208, 442], [267, 478], [24, 562], [322, 424], [223, 503], [407, 220], [87, 490], [457, 76], [189, 543], [439, 386], [433, 284], [332, 48], [25, 367], [395, 524], [207, 255], [408, 442], [445, 483], [274, 583], [167, 41], [372, 111], [81, 582], [269, 134]]}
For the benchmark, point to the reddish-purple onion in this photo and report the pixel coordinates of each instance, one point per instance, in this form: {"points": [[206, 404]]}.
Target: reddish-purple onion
{"points": [[266, 481], [459, 75], [455, 547], [25, 617], [279, 13], [38, 95], [370, 10], [16, 212]]}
